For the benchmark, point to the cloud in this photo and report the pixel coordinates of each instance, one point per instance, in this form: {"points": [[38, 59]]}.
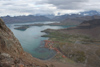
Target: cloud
{"points": [[72, 4], [65, 4], [26, 7]]}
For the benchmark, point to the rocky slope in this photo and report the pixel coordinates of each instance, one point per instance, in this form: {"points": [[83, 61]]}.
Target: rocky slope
{"points": [[11, 52]]}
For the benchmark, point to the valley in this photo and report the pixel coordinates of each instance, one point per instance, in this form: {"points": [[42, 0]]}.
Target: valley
{"points": [[79, 44], [56, 41]]}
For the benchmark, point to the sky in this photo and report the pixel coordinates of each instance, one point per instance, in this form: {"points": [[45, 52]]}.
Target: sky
{"points": [[27, 7]]}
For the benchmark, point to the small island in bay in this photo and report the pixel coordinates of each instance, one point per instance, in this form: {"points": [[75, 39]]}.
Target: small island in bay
{"points": [[23, 28]]}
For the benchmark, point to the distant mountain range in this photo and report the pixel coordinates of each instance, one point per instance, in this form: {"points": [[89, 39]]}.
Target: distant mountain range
{"points": [[90, 27], [89, 13], [80, 14], [23, 19], [78, 20], [51, 16], [48, 17]]}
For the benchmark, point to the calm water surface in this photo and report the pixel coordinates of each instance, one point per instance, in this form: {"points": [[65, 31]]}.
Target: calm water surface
{"points": [[31, 39]]}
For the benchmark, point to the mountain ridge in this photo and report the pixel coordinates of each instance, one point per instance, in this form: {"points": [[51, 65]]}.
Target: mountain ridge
{"points": [[48, 17], [23, 19]]}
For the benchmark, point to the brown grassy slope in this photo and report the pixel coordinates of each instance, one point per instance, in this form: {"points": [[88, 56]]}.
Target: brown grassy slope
{"points": [[90, 28], [89, 50], [81, 43], [76, 21]]}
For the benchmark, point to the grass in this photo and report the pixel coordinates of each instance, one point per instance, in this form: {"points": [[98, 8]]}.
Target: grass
{"points": [[69, 47], [58, 36], [61, 59]]}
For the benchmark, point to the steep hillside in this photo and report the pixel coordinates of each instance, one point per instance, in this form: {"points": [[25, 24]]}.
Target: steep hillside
{"points": [[11, 52]]}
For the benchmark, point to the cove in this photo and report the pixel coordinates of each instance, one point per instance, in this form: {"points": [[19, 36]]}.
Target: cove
{"points": [[31, 39]]}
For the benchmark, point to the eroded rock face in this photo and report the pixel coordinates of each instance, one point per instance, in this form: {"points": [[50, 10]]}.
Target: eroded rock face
{"points": [[11, 52], [8, 42]]}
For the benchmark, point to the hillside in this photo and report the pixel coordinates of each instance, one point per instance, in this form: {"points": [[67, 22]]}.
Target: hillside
{"points": [[80, 44], [76, 20], [90, 28]]}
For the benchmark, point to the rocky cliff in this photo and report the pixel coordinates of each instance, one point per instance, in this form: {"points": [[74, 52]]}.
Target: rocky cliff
{"points": [[11, 52]]}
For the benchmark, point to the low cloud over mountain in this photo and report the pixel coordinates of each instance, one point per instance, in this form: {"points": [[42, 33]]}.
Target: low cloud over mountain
{"points": [[26, 7]]}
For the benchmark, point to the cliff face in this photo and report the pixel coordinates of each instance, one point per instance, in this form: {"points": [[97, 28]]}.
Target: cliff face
{"points": [[8, 42], [11, 52]]}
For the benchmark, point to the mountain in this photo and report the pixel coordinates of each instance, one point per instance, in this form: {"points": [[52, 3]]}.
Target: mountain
{"points": [[12, 53], [76, 20], [23, 19], [89, 13], [90, 28], [46, 15], [80, 14], [63, 17]]}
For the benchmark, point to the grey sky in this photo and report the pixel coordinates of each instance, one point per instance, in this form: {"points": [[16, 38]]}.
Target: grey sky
{"points": [[26, 7]]}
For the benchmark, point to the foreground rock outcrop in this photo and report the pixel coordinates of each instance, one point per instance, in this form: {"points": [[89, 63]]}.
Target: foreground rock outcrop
{"points": [[11, 52]]}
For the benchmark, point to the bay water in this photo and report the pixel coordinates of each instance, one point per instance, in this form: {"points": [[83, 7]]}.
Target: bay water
{"points": [[31, 39]]}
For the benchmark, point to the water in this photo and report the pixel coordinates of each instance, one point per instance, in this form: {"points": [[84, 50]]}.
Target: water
{"points": [[31, 39]]}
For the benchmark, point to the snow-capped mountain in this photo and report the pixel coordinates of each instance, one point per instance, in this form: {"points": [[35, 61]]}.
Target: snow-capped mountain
{"points": [[89, 13], [80, 14]]}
